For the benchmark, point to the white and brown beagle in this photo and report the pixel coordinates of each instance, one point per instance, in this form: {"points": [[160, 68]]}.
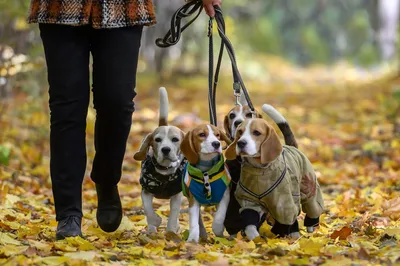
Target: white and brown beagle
{"points": [[206, 180], [275, 179], [162, 169], [233, 221]]}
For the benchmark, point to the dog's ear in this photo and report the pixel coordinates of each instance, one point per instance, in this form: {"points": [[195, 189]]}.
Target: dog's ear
{"points": [[230, 153], [144, 148], [271, 148], [225, 138], [182, 135], [187, 148], [226, 127]]}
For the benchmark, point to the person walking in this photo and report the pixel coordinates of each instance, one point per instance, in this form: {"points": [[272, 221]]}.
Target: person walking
{"points": [[109, 30]]}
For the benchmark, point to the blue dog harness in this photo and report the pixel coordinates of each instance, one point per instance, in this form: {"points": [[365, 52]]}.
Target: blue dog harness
{"points": [[209, 187]]}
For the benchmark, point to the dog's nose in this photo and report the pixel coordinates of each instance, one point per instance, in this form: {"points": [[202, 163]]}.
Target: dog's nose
{"points": [[216, 144], [165, 150], [242, 143], [237, 123]]}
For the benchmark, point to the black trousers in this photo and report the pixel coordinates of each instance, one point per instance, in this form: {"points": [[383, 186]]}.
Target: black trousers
{"points": [[115, 56]]}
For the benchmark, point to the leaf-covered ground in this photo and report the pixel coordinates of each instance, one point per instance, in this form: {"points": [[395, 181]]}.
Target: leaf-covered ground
{"points": [[350, 133]]}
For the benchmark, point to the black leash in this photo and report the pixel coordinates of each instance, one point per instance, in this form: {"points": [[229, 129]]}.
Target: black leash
{"points": [[174, 35]]}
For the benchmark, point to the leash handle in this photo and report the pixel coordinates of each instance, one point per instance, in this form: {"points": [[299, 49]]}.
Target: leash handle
{"points": [[211, 88], [221, 31], [174, 34]]}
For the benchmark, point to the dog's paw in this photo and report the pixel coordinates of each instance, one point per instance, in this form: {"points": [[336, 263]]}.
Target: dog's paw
{"points": [[294, 235], [151, 229], [218, 229], [310, 229], [251, 232], [173, 228], [193, 238], [154, 220]]}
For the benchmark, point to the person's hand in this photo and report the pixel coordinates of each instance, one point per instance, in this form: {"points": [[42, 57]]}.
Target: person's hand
{"points": [[209, 6]]}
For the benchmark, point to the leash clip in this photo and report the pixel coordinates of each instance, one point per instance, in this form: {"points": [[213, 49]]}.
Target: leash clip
{"points": [[210, 27], [253, 113], [236, 93]]}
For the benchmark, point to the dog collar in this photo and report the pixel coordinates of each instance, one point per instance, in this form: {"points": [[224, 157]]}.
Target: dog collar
{"points": [[210, 163]]}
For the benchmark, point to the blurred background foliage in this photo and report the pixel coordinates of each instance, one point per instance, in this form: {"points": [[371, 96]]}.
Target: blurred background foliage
{"points": [[296, 33]]}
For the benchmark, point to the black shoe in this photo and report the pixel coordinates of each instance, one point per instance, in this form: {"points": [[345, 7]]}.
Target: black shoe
{"points": [[109, 210], [69, 227]]}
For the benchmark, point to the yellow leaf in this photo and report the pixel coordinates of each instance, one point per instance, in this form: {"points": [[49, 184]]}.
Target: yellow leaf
{"points": [[52, 260], [80, 243], [312, 246], [6, 239], [64, 247], [127, 225], [81, 255], [11, 250], [205, 257], [11, 200], [40, 245]]}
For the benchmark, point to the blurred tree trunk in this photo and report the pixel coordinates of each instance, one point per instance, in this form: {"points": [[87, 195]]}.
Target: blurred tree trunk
{"points": [[388, 13], [155, 56]]}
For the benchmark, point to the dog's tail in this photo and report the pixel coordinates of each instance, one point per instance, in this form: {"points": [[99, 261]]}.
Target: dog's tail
{"points": [[282, 124], [163, 117]]}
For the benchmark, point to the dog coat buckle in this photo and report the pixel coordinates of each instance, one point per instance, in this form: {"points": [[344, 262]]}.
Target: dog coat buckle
{"points": [[207, 187]]}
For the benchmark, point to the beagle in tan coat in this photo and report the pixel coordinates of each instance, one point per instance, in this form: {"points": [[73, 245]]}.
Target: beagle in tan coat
{"points": [[233, 221], [275, 179], [206, 179]]}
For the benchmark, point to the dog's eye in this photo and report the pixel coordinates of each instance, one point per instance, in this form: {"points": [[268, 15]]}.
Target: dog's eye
{"points": [[158, 139], [232, 116], [240, 132], [202, 135], [175, 139], [217, 136], [256, 133], [249, 115]]}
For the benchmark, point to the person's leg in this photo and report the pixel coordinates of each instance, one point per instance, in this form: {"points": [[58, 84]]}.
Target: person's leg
{"points": [[115, 57], [67, 58]]}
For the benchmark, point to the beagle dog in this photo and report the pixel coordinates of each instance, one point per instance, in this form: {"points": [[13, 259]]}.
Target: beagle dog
{"points": [[206, 179], [233, 221], [162, 169], [276, 179]]}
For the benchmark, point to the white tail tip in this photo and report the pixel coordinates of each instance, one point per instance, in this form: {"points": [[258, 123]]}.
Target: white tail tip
{"points": [[273, 113]]}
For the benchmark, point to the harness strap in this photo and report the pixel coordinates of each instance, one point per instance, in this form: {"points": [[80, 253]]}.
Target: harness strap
{"points": [[269, 190]]}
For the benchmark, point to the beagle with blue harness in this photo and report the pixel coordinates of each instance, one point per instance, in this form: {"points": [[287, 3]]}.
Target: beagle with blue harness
{"points": [[206, 178]]}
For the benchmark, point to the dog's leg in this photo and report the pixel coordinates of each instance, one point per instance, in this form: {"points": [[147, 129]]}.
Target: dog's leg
{"points": [[153, 220], [175, 207], [194, 216], [251, 218], [219, 217], [203, 231]]}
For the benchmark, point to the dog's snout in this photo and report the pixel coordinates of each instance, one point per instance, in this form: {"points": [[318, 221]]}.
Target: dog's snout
{"points": [[242, 143], [237, 123], [165, 150], [216, 144]]}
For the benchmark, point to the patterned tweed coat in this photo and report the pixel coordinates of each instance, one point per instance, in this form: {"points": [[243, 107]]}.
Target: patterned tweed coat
{"points": [[98, 13]]}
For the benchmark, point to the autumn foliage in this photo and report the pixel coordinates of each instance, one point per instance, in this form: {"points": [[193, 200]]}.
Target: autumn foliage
{"points": [[351, 133]]}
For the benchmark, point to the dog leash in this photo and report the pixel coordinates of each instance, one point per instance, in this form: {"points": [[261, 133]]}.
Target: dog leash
{"points": [[174, 34]]}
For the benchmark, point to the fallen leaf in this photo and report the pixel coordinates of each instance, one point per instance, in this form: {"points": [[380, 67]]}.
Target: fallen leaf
{"points": [[342, 234], [6, 239], [81, 255]]}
